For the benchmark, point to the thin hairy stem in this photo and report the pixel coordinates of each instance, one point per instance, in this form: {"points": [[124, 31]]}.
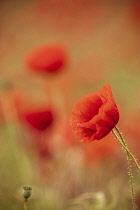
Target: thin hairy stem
{"points": [[121, 140], [130, 173], [118, 131], [125, 148]]}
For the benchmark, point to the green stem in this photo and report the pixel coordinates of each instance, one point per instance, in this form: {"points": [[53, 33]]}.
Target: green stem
{"points": [[26, 204], [129, 155], [130, 173], [125, 147], [121, 137]]}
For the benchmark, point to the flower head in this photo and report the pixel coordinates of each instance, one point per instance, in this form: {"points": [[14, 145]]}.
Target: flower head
{"points": [[46, 58], [94, 115]]}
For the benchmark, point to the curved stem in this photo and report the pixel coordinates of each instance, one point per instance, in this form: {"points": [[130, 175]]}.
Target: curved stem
{"points": [[125, 147], [129, 155], [118, 131]]}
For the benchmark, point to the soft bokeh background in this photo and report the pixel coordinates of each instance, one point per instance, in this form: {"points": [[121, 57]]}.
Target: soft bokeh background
{"points": [[103, 46]]}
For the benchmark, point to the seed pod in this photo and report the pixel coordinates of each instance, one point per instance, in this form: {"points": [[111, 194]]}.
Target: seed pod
{"points": [[27, 192]]}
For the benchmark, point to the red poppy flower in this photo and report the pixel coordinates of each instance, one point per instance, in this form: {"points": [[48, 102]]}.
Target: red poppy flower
{"points": [[39, 120], [46, 58], [94, 115]]}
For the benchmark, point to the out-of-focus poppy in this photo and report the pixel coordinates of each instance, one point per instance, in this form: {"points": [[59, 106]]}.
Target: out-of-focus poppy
{"points": [[36, 116], [46, 58], [94, 115], [40, 119]]}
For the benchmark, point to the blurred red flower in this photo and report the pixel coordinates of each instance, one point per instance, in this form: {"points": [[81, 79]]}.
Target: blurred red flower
{"points": [[37, 116], [94, 115], [39, 120], [47, 58]]}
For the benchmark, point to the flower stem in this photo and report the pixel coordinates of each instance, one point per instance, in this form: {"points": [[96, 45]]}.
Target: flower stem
{"points": [[130, 173], [26, 204], [121, 140]]}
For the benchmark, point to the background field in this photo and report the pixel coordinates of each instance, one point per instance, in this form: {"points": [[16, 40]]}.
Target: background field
{"points": [[102, 40]]}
